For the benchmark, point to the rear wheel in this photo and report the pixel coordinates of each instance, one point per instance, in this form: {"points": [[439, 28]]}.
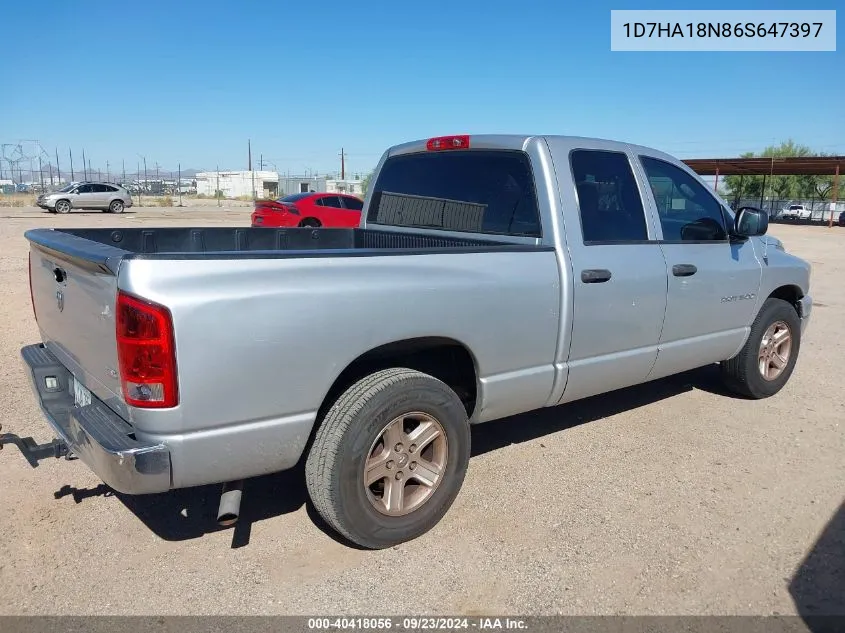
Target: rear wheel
{"points": [[310, 223], [63, 206], [767, 359], [389, 457], [116, 206]]}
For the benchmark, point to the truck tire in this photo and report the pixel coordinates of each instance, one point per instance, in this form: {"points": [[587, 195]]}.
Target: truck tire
{"points": [[389, 457], [765, 363]]}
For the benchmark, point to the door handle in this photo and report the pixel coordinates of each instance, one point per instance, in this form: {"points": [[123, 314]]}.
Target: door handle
{"points": [[684, 270], [595, 276]]}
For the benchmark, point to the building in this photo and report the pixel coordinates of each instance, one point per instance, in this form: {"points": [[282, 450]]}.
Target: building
{"points": [[236, 184], [328, 184], [353, 187]]}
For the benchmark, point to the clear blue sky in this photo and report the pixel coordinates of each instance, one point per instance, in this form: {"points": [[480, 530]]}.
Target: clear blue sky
{"points": [[190, 81]]}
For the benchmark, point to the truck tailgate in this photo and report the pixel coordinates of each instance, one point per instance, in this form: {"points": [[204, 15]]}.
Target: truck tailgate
{"points": [[74, 302]]}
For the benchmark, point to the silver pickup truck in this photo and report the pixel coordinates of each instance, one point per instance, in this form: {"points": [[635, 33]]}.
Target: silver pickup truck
{"points": [[490, 275]]}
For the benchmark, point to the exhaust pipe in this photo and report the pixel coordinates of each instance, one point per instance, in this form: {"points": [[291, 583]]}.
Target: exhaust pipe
{"points": [[230, 503]]}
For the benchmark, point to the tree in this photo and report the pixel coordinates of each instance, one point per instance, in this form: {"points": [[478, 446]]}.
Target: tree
{"points": [[365, 184], [782, 187]]}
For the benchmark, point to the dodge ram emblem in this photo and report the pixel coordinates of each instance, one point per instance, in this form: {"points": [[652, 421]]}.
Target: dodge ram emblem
{"points": [[60, 300]]}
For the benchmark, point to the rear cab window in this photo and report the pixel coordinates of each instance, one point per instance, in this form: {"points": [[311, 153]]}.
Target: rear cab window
{"points": [[478, 191]]}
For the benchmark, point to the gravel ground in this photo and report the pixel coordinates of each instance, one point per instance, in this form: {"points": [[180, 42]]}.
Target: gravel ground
{"points": [[669, 498]]}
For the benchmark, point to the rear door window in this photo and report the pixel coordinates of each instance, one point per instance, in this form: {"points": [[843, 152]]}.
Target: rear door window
{"points": [[608, 198], [480, 191], [329, 201], [352, 203]]}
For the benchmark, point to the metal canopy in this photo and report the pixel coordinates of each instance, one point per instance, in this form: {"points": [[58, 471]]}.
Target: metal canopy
{"points": [[796, 166]]}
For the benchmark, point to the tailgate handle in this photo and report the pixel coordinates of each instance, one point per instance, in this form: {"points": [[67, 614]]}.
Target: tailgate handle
{"points": [[60, 275]]}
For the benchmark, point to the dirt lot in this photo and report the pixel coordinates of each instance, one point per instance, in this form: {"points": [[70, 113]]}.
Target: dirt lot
{"points": [[670, 498]]}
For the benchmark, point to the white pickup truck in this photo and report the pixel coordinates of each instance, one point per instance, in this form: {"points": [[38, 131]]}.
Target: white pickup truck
{"points": [[490, 275], [796, 212]]}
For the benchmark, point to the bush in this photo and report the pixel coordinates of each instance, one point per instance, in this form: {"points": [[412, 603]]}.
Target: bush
{"points": [[166, 201]]}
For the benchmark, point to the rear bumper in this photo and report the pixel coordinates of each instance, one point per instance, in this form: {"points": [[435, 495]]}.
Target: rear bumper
{"points": [[94, 433]]}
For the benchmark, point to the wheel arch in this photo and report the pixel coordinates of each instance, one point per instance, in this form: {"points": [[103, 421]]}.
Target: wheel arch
{"points": [[790, 293], [444, 358]]}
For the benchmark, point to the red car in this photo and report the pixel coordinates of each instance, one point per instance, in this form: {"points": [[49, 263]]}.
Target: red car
{"points": [[332, 210]]}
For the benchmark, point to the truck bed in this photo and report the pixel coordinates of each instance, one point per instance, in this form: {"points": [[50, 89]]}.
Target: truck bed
{"points": [[103, 246]]}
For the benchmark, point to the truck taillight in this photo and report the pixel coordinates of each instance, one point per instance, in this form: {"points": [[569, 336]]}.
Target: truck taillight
{"points": [[146, 353], [439, 143], [31, 296]]}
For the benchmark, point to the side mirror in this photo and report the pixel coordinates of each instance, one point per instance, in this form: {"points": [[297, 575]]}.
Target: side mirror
{"points": [[751, 221]]}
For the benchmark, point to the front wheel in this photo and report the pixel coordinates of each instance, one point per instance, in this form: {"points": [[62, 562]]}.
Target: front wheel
{"points": [[389, 458], [766, 361], [63, 206]]}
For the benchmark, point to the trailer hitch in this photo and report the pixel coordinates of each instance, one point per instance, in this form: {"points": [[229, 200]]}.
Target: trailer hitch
{"points": [[34, 452]]}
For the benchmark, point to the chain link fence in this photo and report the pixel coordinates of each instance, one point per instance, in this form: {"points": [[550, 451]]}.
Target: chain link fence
{"points": [[808, 210]]}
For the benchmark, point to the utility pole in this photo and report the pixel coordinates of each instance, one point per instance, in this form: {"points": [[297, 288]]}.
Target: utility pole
{"points": [[342, 165], [261, 162], [145, 171], [58, 167], [138, 174], [123, 164], [108, 177], [40, 174], [72, 177], [179, 183], [84, 165], [51, 174], [217, 188], [249, 153]]}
